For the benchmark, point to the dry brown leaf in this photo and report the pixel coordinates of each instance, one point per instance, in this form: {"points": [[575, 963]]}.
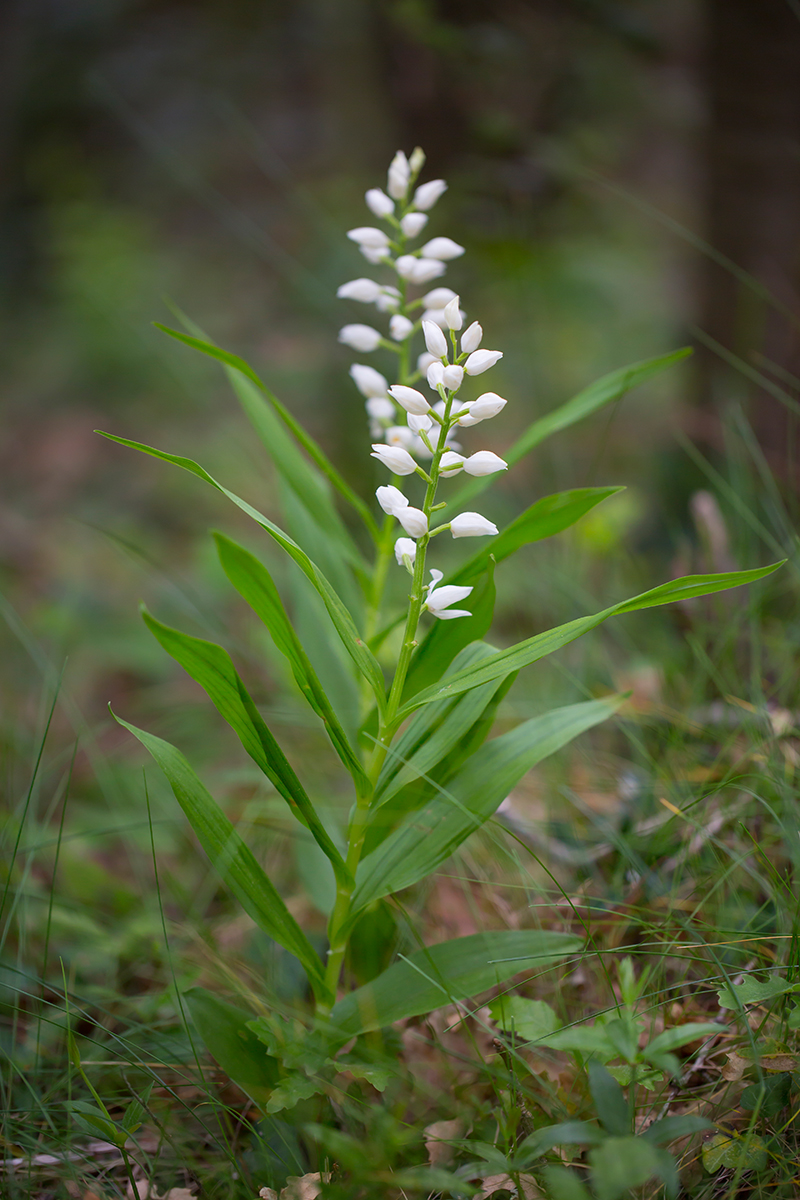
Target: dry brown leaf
{"points": [[735, 1067], [437, 1136], [504, 1183], [303, 1187], [268, 1194]]}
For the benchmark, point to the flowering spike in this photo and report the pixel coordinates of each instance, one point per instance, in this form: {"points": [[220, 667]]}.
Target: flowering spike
{"points": [[439, 598], [427, 269], [380, 408], [438, 297], [450, 463], [417, 160]]}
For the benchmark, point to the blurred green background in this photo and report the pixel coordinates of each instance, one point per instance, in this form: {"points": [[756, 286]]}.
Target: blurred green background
{"points": [[213, 155]]}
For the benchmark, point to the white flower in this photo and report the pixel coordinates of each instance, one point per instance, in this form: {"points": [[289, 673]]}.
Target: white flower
{"points": [[398, 461], [484, 462], [419, 449], [413, 521], [400, 327], [391, 499], [368, 381], [450, 463], [434, 339], [399, 435], [428, 193], [360, 337], [480, 361], [386, 302], [471, 338], [380, 408], [365, 290], [379, 203], [471, 524], [367, 235], [419, 424], [453, 315], [399, 175], [427, 269], [424, 361], [417, 160], [411, 400], [375, 254], [405, 549], [486, 406], [438, 297], [439, 598], [404, 265], [436, 315], [442, 247], [435, 374], [453, 377], [413, 224]]}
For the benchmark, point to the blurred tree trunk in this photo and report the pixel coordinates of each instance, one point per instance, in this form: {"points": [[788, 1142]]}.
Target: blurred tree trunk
{"points": [[752, 80]]}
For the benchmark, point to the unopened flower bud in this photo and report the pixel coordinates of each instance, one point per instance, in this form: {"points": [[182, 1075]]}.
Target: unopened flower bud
{"points": [[434, 339], [419, 424], [405, 265], [360, 337], [398, 460], [435, 374], [428, 193], [413, 223], [391, 499], [380, 408], [413, 521], [452, 314], [400, 327], [405, 551], [450, 463], [442, 247], [375, 254], [453, 377], [410, 399], [379, 203], [368, 381], [424, 361], [438, 297], [471, 338], [484, 462], [471, 524], [427, 269], [417, 160], [486, 406], [367, 235], [466, 418], [399, 174], [365, 290], [386, 302], [480, 361]]}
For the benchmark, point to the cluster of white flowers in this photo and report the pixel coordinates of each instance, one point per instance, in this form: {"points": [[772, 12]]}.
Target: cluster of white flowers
{"points": [[446, 362]]}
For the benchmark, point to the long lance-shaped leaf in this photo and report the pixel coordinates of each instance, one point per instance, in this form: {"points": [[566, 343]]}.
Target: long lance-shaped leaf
{"points": [[358, 650], [543, 519], [211, 667], [231, 857], [309, 445], [243, 1058], [426, 838], [534, 648], [254, 584], [454, 970], [603, 391]]}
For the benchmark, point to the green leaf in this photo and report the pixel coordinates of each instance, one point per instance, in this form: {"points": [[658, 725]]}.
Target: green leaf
{"points": [[223, 1030], [291, 1090], [735, 1153], [527, 1020], [563, 1184], [430, 1180], [568, 1133], [581, 1039], [753, 991], [429, 836], [610, 387], [95, 1121], [669, 1129], [531, 650], [446, 639], [681, 1035], [237, 364], [609, 1101], [211, 667], [254, 584], [342, 620], [435, 729], [622, 1163], [449, 971], [231, 857]]}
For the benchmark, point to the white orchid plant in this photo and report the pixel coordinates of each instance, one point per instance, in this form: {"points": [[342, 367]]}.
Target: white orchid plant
{"points": [[409, 724]]}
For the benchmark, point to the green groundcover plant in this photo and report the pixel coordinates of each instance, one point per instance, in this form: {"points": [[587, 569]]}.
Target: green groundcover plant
{"points": [[425, 773]]}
